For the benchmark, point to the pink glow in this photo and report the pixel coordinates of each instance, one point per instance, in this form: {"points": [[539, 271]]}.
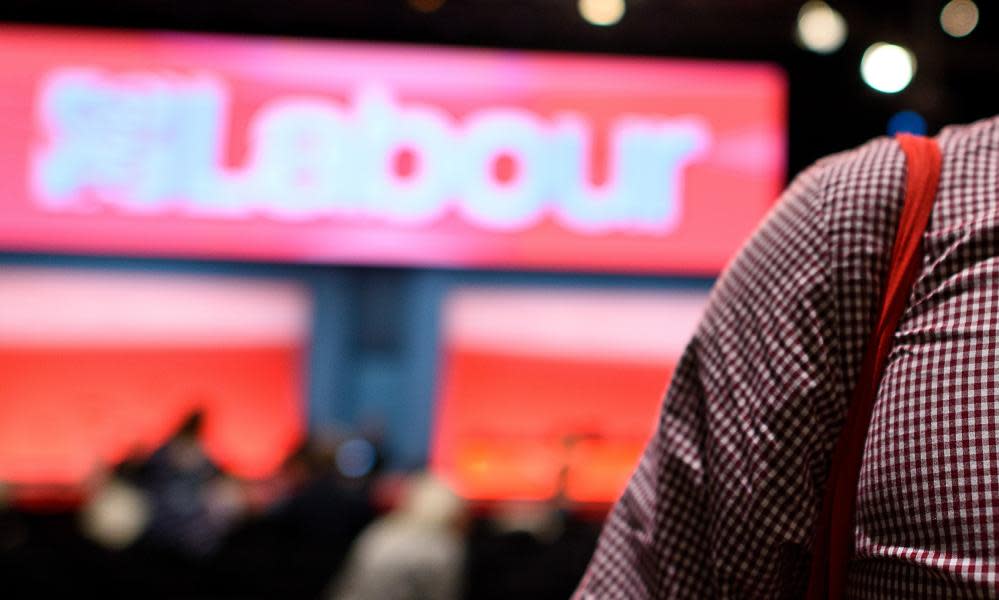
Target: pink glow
{"points": [[711, 133]]}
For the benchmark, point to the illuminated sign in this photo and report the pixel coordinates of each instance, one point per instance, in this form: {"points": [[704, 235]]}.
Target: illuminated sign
{"points": [[219, 147], [312, 158]]}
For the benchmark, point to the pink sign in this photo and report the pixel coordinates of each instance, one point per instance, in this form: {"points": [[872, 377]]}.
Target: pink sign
{"points": [[198, 146]]}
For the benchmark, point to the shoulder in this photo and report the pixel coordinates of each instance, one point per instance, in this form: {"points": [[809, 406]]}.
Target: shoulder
{"points": [[854, 191], [861, 190], [866, 182], [844, 199], [866, 185], [967, 195], [958, 141]]}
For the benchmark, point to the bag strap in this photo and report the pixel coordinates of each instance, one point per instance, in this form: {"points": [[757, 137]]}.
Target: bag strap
{"points": [[834, 533]]}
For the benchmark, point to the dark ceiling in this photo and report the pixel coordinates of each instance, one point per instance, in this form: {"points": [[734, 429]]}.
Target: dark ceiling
{"points": [[831, 109]]}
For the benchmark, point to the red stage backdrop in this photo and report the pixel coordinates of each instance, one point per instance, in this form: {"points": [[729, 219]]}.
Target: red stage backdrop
{"points": [[206, 146], [97, 365], [554, 391]]}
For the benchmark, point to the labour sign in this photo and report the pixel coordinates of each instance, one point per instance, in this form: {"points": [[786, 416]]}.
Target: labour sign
{"points": [[218, 147]]}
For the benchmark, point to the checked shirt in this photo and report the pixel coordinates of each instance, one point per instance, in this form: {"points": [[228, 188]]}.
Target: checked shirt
{"points": [[724, 499]]}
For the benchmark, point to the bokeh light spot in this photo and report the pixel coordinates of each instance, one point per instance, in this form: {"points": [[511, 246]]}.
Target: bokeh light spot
{"points": [[907, 121], [820, 28], [602, 12], [959, 17], [888, 68]]}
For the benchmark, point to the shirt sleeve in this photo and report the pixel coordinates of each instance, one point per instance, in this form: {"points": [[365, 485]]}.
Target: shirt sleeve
{"points": [[723, 500]]}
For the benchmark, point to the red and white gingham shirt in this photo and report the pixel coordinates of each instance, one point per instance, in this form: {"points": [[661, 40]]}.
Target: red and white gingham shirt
{"points": [[723, 502]]}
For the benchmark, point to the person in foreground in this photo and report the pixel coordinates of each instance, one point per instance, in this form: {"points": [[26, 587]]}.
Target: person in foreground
{"points": [[725, 500]]}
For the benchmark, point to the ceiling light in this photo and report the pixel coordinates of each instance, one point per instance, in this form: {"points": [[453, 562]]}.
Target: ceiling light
{"points": [[888, 68], [820, 28], [959, 17], [602, 12]]}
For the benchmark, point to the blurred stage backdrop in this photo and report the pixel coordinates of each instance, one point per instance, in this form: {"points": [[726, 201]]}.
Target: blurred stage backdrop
{"points": [[469, 238]]}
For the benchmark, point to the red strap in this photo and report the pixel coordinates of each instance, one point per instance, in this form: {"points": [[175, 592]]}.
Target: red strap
{"points": [[833, 546]]}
